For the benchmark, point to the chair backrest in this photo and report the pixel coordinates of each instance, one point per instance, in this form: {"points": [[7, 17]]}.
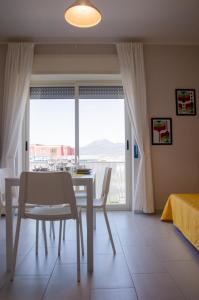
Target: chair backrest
{"points": [[106, 184], [46, 188]]}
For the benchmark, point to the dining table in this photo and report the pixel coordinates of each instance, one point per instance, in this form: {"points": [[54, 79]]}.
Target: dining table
{"points": [[86, 180]]}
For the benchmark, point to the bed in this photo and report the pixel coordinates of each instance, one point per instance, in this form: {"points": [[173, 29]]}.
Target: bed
{"points": [[183, 211]]}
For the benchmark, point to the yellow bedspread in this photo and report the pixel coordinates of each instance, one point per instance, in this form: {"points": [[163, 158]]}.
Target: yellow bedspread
{"points": [[183, 210]]}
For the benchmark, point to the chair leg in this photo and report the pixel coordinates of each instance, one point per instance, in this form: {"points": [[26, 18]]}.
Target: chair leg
{"points": [[52, 229], [60, 232], [45, 237], [109, 231], [78, 250], [81, 232], [37, 236], [16, 246], [64, 230]]}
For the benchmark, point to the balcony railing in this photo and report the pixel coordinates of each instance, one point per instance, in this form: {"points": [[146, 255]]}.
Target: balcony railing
{"points": [[117, 193]]}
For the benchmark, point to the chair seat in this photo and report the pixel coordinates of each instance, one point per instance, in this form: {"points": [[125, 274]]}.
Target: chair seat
{"points": [[97, 203], [49, 212]]}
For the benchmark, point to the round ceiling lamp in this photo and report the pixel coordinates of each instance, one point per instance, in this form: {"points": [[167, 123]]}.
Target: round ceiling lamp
{"points": [[82, 14]]}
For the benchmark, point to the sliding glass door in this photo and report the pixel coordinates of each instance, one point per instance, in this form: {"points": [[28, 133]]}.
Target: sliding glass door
{"points": [[102, 142], [85, 124]]}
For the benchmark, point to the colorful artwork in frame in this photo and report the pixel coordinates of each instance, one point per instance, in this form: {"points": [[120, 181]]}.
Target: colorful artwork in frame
{"points": [[185, 102], [161, 131]]}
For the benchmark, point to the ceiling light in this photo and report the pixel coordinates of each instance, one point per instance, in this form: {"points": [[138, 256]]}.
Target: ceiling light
{"points": [[82, 14]]}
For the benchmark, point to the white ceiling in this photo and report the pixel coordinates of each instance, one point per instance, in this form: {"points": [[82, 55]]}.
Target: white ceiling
{"points": [[153, 21]]}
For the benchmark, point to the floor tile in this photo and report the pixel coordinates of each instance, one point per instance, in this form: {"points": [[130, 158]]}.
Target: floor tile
{"points": [[40, 264], [171, 249], [142, 259], [156, 287], [186, 276], [23, 288], [69, 253], [111, 272], [116, 294], [63, 284], [131, 237], [102, 244]]}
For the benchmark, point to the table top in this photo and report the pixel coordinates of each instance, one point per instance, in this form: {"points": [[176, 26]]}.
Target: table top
{"points": [[14, 181]]}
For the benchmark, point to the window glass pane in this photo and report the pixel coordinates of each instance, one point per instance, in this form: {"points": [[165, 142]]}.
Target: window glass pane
{"points": [[52, 132], [102, 140]]}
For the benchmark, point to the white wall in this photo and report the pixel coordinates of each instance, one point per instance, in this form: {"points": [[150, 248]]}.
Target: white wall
{"points": [[175, 167], [72, 59]]}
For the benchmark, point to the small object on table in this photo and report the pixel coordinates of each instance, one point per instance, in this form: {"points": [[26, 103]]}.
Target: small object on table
{"points": [[83, 171]]}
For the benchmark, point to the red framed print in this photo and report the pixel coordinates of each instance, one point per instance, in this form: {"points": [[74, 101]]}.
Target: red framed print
{"points": [[185, 102], [161, 131]]}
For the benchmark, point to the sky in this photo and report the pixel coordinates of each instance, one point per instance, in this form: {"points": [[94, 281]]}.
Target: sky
{"points": [[52, 121]]}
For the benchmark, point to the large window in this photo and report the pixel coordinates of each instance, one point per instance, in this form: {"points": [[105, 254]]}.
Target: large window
{"points": [[86, 124]]}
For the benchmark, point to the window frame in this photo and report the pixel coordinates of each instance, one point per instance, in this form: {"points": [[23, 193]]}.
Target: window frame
{"points": [[128, 133]]}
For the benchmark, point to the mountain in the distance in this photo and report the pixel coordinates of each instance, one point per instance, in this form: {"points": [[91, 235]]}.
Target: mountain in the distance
{"points": [[103, 147]]}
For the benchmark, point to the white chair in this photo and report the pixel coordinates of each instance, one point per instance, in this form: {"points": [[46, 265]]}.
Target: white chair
{"points": [[53, 193], [15, 208], [100, 203]]}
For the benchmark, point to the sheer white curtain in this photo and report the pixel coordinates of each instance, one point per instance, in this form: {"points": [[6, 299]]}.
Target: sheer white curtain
{"points": [[133, 78], [18, 69]]}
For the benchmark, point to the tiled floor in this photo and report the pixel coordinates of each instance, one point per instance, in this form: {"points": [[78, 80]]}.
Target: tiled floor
{"points": [[153, 262]]}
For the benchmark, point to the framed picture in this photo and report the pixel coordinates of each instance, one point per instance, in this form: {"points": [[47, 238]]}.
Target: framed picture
{"points": [[185, 102], [161, 131]]}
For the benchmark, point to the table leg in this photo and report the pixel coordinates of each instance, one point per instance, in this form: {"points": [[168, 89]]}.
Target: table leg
{"points": [[94, 218], [9, 227], [90, 226]]}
